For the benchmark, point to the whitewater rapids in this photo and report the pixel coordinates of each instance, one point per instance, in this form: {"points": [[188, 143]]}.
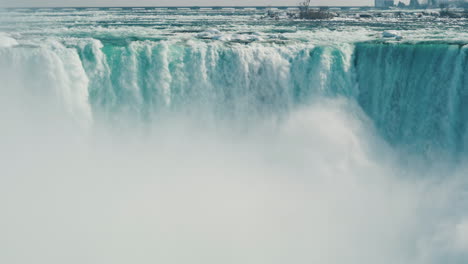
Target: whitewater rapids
{"points": [[117, 149]]}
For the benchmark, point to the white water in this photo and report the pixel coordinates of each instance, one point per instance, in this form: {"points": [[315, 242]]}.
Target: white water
{"points": [[298, 181], [6, 41]]}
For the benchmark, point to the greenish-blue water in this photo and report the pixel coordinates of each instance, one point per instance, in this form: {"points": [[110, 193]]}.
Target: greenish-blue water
{"points": [[221, 136], [239, 64]]}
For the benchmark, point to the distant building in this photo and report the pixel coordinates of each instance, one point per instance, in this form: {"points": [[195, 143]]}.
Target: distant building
{"points": [[415, 3], [438, 2], [384, 3]]}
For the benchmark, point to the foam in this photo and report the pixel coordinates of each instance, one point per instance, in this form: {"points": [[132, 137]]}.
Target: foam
{"points": [[6, 41]]}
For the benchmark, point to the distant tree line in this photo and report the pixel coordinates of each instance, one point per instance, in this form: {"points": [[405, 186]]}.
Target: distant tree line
{"points": [[305, 12]]}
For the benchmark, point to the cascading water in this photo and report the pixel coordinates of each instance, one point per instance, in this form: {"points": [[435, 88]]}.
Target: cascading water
{"points": [[418, 94], [416, 97], [150, 141]]}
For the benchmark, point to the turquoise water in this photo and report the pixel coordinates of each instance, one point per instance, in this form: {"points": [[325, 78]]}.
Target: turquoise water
{"points": [[238, 64], [221, 136]]}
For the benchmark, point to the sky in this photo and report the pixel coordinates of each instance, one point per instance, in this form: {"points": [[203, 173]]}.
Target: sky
{"points": [[76, 3]]}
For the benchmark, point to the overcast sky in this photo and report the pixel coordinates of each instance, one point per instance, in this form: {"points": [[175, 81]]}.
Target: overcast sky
{"points": [[49, 3]]}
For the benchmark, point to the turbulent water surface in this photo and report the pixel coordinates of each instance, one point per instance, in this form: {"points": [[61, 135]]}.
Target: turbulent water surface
{"points": [[217, 136]]}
